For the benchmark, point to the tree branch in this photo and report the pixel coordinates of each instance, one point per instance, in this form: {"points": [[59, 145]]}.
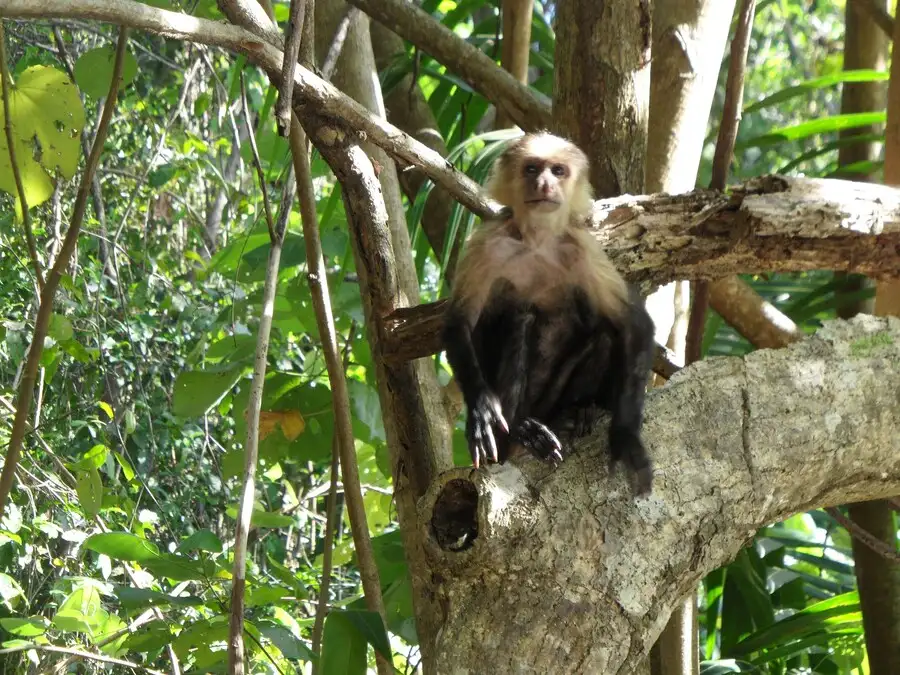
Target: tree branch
{"points": [[473, 66], [310, 91], [737, 443], [877, 13], [768, 224]]}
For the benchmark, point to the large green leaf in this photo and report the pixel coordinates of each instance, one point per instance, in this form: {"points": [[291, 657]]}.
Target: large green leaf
{"points": [[842, 610], [821, 125], [343, 647], [47, 119], [817, 83], [197, 391], [122, 546]]}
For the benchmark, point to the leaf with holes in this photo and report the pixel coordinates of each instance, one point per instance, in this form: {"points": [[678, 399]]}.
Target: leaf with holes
{"points": [[47, 119]]}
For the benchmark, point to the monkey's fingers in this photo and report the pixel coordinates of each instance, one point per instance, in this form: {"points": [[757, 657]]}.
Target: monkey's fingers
{"points": [[540, 440]]}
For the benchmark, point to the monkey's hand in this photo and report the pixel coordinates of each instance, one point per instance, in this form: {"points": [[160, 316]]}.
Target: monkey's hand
{"points": [[540, 440], [480, 422]]}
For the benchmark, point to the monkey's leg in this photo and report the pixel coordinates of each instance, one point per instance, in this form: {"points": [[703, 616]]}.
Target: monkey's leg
{"points": [[581, 346], [484, 411], [506, 332]]}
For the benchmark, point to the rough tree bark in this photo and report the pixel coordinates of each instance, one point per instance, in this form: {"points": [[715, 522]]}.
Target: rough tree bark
{"points": [[602, 87], [737, 444]]}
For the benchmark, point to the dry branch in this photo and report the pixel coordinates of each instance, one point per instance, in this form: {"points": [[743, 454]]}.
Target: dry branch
{"points": [[738, 443], [768, 224], [472, 65]]}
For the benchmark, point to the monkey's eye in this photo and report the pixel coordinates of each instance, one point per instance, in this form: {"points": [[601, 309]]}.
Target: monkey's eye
{"points": [[558, 170], [531, 169]]}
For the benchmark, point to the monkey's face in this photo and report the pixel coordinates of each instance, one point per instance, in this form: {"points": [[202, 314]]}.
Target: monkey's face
{"points": [[545, 184]]}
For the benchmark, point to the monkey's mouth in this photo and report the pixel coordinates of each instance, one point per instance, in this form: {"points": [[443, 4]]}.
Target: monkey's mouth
{"points": [[542, 201]]}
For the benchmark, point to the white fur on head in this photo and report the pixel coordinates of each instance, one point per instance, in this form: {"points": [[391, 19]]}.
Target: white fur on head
{"points": [[502, 181]]}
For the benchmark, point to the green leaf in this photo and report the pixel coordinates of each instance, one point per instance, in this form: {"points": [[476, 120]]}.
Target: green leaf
{"points": [[89, 488], [369, 626], [841, 609], [150, 637], [203, 632], [122, 546], [25, 628], [47, 119], [821, 125], [92, 459], [81, 611], [142, 598], [181, 568], [343, 647], [10, 589], [105, 407], [60, 328], [162, 175], [818, 83], [197, 391], [201, 540], [94, 71], [126, 466], [290, 645], [261, 518], [265, 595]]}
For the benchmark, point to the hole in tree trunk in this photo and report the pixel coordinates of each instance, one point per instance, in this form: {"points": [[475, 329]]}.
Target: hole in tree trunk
{"points": [[454, 518]]}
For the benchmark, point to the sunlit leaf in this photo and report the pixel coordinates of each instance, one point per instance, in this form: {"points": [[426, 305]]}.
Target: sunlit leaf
{"points": [[89, 488], [47, 118], [122, 546], [25, 628]]}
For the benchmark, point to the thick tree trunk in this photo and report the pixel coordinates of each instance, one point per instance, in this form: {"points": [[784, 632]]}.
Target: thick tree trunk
{"points": [[602, 88], [564, 571]]}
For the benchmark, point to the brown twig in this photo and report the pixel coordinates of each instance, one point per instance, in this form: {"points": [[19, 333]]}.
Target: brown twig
{"points": [[516, 46], [257, 164], [6, 79], [467, 61], [78, 653], [330, 524], [294, 31], [863, 535], [42, 322], [337, 42], [878, 14], [318, 284], [731, 119], [254, 405], [734, 96]]}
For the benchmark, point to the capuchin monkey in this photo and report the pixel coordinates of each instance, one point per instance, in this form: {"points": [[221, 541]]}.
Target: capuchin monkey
{"points": [[542, 331]]}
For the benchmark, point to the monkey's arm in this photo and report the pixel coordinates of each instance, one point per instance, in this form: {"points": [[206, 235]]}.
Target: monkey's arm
{"points": [[483, 407]]}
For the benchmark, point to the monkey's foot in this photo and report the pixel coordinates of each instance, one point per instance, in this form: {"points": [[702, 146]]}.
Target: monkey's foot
{"points": [[578, 422], [540, 440], [482, 418]]}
